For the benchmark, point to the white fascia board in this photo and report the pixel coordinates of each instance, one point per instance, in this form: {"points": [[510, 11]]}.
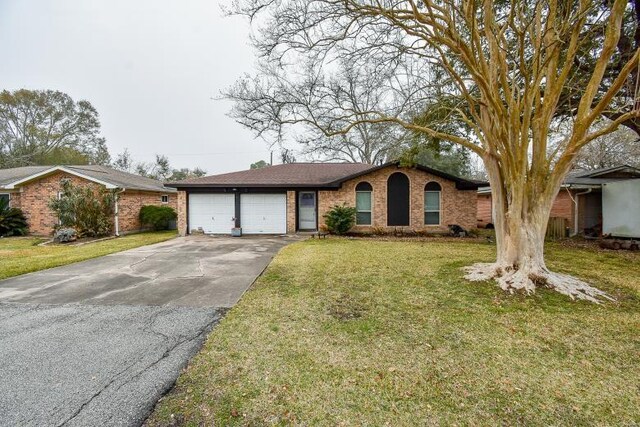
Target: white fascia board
{"points": [[13, 185]]}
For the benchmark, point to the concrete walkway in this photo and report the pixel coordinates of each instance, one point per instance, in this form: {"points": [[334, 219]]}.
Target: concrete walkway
{"points": [[100, 341]]}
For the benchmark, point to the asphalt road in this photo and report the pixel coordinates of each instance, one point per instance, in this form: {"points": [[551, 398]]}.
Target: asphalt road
{"points": [[99, 342]]}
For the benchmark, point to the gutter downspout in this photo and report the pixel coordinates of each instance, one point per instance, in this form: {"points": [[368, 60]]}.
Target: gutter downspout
{"points": [[575, 213], [115, 218]]}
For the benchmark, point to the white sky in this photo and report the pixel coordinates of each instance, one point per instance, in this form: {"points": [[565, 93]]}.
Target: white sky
{"points": [[150, 68]]}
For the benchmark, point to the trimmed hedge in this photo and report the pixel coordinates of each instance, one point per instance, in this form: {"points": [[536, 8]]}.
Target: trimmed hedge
{"points": [[157, 217]]}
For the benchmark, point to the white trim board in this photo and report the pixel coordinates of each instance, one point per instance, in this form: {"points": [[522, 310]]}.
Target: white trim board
{"points": [[54, 169]]}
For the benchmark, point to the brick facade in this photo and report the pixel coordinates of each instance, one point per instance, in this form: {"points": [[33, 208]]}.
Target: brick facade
{"points": [[485, 214], [33, 199], [563, 207], [182, 213], [130, 202], [457, 206], [291, 212]]}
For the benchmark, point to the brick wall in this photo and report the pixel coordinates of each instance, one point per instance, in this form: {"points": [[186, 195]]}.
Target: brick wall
{"points": [[130, 202], [182, 212], [34, 199], [291, 212], [457, 206], [563, 207], [485, 215]]}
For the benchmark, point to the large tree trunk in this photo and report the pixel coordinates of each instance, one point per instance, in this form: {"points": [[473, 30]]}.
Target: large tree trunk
{"points": [[520, 215]]}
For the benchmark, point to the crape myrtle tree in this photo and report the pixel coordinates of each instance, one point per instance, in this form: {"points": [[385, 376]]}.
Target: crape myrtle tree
{"points": [[627, 45], [503, 68]]}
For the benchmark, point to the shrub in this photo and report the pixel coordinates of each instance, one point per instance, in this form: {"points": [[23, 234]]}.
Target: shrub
{"points": [[340, 219], [12, 220], [86, 209], [157, 217]]}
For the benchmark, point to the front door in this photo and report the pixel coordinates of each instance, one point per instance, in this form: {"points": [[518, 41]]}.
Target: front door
{"points": [[307, 210]]}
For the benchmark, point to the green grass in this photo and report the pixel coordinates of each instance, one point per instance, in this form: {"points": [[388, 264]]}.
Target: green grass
{"points": [[354, 332], [20, 255]]}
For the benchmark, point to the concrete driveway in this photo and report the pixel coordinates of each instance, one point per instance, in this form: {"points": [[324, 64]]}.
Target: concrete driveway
{"points": [[100, 341]]}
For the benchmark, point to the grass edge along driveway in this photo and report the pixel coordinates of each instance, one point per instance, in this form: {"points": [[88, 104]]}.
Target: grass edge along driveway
{"points": [[21, 255], [354, 332]]}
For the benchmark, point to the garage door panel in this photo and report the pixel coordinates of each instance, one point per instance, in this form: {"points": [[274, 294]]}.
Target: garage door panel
{"points": [[212, 212], [263, 213]]}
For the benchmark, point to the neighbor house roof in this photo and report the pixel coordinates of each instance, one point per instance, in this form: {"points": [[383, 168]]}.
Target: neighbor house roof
{"points": [[593, 178], [111, 178], [601, 176], [297, 175]]}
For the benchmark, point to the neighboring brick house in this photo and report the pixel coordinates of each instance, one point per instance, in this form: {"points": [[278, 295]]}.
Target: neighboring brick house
{"points": [[30, 188], [579, 200], [295, 197]]}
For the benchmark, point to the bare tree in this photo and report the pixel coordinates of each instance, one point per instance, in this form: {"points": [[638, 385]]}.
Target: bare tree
{"points": [[124, 161], [265, 104], [504, 67], [621, 147]]}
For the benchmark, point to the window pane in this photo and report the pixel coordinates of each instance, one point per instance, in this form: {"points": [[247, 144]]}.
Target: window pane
{"points": [[432, 201], [363, 201], [4, 197], [363, 218], [432, 218]]}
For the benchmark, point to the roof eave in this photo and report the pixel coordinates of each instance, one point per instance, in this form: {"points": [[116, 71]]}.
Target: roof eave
{"points": [[246, 185], [54, 169]]}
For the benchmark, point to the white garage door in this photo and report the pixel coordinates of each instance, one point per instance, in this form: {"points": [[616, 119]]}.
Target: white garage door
{"points": [[263, 213], [212, 212]]}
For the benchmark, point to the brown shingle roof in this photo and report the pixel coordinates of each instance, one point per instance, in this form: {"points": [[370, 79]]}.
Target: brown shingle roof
{"points": [[287, 175], [103, 174]]}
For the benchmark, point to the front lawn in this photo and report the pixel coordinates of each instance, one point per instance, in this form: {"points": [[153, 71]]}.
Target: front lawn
{"points": [[362, 332], [20, 255]]}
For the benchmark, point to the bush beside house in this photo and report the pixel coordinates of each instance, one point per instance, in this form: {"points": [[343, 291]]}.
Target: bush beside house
{"points": [[12, 221], [340, 219], [157, 217], [88, 210]]}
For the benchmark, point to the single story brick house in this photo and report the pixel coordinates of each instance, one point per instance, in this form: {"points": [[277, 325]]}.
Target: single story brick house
{"points": [[579, 200], [294, 197], [30, 188]]}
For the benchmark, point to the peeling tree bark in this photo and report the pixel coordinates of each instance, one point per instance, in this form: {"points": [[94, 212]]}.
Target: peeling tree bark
{"points": [[520, 221]]}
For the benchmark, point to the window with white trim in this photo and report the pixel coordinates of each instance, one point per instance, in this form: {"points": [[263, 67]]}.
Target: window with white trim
{"points": [[432, 203], [165, 198], [5, 197], [364, 203]]}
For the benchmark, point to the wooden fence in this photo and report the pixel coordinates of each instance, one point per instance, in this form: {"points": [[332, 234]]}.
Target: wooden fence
{"points": [[557, 228]]}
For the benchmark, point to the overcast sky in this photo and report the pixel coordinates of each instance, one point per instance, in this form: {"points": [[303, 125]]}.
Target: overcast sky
{"points": [[150, 67]]}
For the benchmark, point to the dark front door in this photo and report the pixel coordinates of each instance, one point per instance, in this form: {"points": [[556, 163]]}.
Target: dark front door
{"points": [[398, 200]]}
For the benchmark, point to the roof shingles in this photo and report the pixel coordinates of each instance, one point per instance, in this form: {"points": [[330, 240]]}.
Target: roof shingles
{"points": [[286, 175], [112, 176]]}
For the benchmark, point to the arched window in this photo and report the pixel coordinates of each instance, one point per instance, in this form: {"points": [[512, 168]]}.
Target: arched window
{"points": [[364, 203], [432, 199], [398, 200]]}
